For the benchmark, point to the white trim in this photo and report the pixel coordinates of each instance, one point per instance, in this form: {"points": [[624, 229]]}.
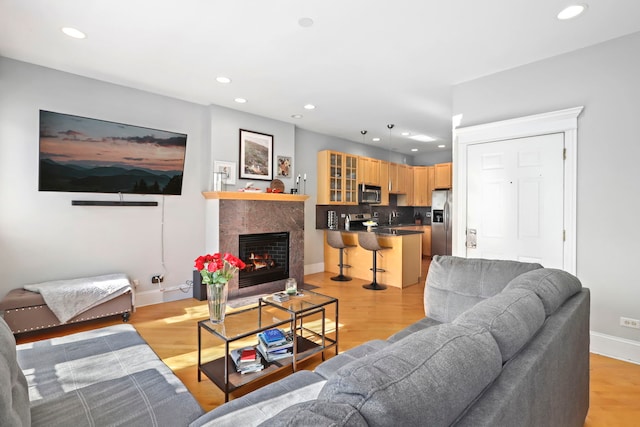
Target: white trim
{"points": [[156, 296], [314, 268], [562, 121], [615, 347]]}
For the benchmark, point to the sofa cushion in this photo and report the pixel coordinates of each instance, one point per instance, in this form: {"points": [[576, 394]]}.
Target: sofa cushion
{"points": [[106, 376], [14, 395], [456, 284], [317, 413], [428, 377], [512, 317], [424, 323], [329, 367], [263, 403], [552, 286]]}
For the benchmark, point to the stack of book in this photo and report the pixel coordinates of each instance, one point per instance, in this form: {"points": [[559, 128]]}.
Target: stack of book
{"points": [[274, 344], [247, 360]]}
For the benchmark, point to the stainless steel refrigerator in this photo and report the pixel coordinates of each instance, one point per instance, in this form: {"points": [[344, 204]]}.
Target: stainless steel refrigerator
{"points": [[441, 203]]}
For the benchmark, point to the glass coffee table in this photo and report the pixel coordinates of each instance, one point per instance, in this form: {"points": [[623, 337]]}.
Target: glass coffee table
{"points": [[303, 314], [311, 338]]}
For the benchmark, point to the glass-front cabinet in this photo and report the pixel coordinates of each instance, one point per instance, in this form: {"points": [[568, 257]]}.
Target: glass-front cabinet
{"points": [[337, 178]]}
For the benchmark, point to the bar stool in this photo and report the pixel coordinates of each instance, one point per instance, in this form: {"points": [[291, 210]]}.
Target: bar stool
{"points": [[369, 241], [335, 240]]}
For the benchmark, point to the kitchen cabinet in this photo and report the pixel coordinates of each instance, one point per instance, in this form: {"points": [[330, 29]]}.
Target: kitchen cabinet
{"points": [[393, 178], [431, 182], [337, 178], [426, 237], [384, 183], [420, 185], [442, 176], [368, 171], [406, 193]]}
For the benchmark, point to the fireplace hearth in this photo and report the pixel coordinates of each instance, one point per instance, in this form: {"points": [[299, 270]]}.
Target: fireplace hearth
{"points": [[266, 256]]}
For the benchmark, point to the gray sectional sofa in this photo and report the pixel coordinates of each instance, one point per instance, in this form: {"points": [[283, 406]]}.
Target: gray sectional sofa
{"points": [[503, 343]]}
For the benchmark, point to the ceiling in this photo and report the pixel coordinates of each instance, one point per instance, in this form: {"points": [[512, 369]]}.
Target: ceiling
{"points": [[364, 64]]}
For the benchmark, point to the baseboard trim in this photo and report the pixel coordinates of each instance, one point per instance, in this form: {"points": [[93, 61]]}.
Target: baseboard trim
{"points": [[156, 296], [313, 268], [615, 347]]}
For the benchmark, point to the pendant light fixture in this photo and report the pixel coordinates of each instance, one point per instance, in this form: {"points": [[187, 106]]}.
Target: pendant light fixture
{"points": [[390, 126]]}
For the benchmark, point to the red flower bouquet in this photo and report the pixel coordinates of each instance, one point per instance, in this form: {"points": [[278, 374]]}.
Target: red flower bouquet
{"points": [[217, 268]]}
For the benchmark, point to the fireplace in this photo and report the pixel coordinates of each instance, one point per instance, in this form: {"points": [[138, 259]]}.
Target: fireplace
{"points": [[233, 214], [266, 256]]}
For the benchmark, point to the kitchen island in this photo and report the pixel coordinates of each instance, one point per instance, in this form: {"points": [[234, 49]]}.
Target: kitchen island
{"points": [[401, 262]]}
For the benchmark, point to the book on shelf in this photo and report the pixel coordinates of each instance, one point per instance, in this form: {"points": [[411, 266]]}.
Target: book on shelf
{"points": [[247, 359], [273, 335], [275, 339], [271, 356]]}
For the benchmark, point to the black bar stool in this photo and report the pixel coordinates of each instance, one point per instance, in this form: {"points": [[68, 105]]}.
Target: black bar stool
{"points": [[335, 240], [369, 241]]}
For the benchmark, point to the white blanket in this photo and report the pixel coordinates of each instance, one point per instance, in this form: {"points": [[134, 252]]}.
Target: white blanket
{"points": [[68, 298]]}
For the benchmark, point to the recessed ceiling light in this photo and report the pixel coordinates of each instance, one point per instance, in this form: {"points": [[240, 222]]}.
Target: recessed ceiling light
{"points": [[309, 107], [375, 139], [305, 22], [223, 79], [422, 138], [572, 11], [73, 32], [405, 133], [414, 149], [441, 146], [296, 116], [240, 100]]}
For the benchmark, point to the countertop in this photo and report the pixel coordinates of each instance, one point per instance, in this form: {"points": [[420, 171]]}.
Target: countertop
{"points": [[389, 230]]}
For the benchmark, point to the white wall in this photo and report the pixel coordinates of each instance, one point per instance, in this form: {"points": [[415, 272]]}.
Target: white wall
{"points": [[604, 79], [43, 237]]}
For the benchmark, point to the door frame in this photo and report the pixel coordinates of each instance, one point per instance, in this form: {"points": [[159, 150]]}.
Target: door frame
{"points": [[561, 121]]}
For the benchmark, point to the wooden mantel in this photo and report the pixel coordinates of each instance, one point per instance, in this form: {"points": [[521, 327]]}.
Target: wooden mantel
{"points": [[241, 195]]}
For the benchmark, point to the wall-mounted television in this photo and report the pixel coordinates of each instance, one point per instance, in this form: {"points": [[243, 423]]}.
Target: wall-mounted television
{"points": [[79, 154]]}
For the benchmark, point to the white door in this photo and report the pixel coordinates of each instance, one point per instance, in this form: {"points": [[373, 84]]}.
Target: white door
{"points": [[515, 200]]}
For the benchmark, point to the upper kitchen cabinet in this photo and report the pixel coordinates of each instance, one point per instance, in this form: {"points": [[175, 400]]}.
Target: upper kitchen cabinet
{"points": [[337, 178], [405, 191], [398, 178], [423, 185], [384, 183], [442, 175], [369, 171]]}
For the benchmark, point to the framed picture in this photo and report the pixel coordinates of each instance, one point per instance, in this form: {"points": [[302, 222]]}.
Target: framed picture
{"points": [[256, 155], [228, 169], [284, 167]]}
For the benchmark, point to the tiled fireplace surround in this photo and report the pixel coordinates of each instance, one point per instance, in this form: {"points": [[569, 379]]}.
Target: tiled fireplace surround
{"points": [[236, 217]]}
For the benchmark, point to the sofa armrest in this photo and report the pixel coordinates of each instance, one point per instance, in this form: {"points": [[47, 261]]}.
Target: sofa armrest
{"points": [[421, 324]]}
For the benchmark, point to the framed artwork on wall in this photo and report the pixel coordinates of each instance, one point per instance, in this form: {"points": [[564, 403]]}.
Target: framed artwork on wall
{"points": [[256, 155], [284, 167], [227, 169]]}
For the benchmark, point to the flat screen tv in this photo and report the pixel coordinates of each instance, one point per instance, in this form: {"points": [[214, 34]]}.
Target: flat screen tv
{"points": [[79, 154]]}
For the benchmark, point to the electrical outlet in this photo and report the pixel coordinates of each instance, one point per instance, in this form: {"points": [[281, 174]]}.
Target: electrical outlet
{"points": [[158, 278], [630, 323], [136, 283]]}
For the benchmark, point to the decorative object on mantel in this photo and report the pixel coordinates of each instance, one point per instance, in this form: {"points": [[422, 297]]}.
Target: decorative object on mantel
{"points": [[256, 155], [303, 182], [228, 169], [277, 186], [216, 271], [249, 188]]}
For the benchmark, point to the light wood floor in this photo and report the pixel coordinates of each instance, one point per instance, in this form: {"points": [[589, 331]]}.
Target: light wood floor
{"points": [[170, 329]]}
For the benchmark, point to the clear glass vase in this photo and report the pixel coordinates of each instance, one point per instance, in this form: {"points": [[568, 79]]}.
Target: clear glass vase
{"points": [[217, 298]]}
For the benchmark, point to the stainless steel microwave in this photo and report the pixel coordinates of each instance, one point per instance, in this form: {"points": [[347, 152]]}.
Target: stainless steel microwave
{"points": [[369, 194]]}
